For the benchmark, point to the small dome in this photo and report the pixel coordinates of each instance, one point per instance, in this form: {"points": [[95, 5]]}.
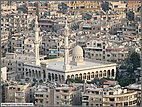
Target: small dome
{"points": [[77, 51]]}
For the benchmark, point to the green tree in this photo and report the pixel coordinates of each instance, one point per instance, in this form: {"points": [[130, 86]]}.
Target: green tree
{"points": [[26, 79], [70, 80], [135, 60], [130, 16], [34, 80], [41, 81], [105, 6], [78, 80]]}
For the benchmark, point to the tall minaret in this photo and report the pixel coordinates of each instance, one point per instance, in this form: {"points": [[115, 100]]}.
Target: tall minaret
{"points": [[66, 54], [37, 61]]}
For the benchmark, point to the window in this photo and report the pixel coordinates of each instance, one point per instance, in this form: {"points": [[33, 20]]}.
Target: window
{"points": [[57, 96], [47, 96], [111, 99], [103, 47], [108, 55], [65, 91], [18, 89], [57, 90], [96, 99], [57, 102], [103, 52], [65, 97], [91, 104], [65, 102], [103, 57], [100, 54]]}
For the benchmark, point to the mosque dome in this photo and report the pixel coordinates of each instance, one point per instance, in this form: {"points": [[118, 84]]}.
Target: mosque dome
{"points": [[77, 56], [77, 51]]}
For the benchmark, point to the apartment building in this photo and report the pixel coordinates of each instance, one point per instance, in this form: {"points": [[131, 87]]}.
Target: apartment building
{"points": [[15, 64], [99, 50], [119, 97], [83, 5], [16, 92], [43, 96], [66, 96], [63, 95], [92, 97]]}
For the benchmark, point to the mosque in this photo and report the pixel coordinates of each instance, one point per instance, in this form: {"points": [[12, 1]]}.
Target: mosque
{"points": [[60, 69]]}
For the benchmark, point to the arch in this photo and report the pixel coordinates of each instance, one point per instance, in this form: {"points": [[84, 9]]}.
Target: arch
{"points": [[33, 73], [112, 73], [88, 76], [29, 73], [63, 78], [52, 76], [100, 74], [104, 73], [56, 77], [59, 77], [80, 76], [92, 74], [72, 76], [49, 77], [96, 74], [108, 74], [76, 75], [84, 76], [68, 76], [44, 75], [36, 74], [39, 74]]}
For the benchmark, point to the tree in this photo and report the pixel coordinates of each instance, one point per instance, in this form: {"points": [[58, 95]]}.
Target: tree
{"points": [[105, 6], [34, 80], [26, 79], [70, 80], [130, 16], [41, 81], [135, 60], [78, 80]]}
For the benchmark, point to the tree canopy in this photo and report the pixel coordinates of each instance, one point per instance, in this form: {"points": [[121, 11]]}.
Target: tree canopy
{"points": [[130, 16], [105, 6]]}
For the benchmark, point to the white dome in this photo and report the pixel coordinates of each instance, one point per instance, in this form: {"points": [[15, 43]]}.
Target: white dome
{"points": [[77, 51]]}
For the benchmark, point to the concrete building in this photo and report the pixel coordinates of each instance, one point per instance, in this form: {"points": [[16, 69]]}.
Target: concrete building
{"points": [[43, 96], [62, 95], [120, 97], [16, 93], [92, 97]]}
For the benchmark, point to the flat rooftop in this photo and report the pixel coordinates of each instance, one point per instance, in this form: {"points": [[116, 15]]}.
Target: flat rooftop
{"points": [[57, 64]]}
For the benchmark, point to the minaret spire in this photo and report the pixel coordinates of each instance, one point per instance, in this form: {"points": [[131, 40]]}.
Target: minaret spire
{"points": [[66, 52], [37, 61]]}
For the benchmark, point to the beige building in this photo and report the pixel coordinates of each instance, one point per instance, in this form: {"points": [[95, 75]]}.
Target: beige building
{"points": [[62, 95], [43, 96], [66, 96], [121, 99], [16, 93], [92, 97], [99, 50]]}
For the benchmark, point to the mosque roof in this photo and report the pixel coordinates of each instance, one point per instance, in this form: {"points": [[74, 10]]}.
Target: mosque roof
{"points": [[57, 65]]}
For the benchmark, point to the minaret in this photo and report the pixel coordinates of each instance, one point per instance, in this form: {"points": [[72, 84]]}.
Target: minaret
{"points": [[37, 61], [66, 54]]}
